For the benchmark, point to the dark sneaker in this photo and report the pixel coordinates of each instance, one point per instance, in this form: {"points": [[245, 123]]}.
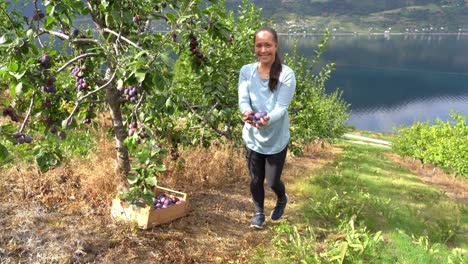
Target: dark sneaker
{"points": [[258, 221], [278, 211]]}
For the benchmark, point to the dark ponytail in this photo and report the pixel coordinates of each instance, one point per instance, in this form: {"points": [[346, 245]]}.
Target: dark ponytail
{"points": [[275, 71], [276, 67]]}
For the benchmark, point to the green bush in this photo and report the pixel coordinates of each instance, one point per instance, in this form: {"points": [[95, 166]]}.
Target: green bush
{"points": [[443, 144], [207, 89]]}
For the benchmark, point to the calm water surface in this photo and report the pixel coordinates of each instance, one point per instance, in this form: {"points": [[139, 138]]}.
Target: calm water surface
{"points": [[393, 81]]}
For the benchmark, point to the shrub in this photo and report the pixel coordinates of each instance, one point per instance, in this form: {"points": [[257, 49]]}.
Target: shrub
{"points": [[443, 144]]}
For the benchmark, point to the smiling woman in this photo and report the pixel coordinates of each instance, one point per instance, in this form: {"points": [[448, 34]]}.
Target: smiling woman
{"points": [[266, 87], [266, 48]]}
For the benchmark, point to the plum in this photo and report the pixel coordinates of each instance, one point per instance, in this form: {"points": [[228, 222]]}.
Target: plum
{"points": [[45, 61], [132, 92], [27, 139], [256, 117]]}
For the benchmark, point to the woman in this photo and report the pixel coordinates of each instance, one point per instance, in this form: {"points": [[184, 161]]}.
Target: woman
{"points": [[266, 86]]}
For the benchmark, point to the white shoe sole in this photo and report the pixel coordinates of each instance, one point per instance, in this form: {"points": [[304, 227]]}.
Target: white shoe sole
{"points": [[257, 226]]}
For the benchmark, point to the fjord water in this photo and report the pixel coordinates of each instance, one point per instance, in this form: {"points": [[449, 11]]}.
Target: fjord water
{"points": [[394, 80]]}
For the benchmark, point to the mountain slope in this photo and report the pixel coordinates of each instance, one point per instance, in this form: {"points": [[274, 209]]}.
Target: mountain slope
{"points": [[365, 15]]}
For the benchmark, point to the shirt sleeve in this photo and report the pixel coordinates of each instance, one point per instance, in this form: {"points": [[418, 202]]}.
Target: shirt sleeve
{"points": [[285, 91], [243, 90]]}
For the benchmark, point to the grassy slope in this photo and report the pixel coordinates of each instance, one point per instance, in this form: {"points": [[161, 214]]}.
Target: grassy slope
{"points": [[420, 224], [327, 187]]}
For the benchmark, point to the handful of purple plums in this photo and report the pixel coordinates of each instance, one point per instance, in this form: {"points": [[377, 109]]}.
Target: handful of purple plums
{"points": [[164, 200], [255, 117]]}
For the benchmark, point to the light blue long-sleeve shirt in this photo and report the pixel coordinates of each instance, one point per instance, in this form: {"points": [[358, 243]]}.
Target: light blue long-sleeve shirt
{"points": [[255, 95]]}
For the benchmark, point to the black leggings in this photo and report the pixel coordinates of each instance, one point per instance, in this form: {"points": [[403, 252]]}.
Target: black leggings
{"points": [[263, 166]]}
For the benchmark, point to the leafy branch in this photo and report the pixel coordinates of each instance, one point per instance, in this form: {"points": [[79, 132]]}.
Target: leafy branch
{"points": [[67, 121]]}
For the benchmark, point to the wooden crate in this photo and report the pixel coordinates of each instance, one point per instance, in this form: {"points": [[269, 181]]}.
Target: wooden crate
{"points": [[148, 217]]}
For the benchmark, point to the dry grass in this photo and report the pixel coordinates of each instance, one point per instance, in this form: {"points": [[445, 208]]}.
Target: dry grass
{"points": [[63, 215], [455, 187]]}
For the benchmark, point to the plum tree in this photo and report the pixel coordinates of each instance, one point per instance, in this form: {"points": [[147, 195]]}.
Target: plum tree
{"points": [[60, 70], [165, 73]]}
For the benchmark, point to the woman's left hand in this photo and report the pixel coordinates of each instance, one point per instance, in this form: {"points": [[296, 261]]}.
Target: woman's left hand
{"points": [[262, 122]]}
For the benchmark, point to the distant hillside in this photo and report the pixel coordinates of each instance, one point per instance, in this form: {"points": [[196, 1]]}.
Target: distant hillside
{"points": [[365, 15], [354, 15]]}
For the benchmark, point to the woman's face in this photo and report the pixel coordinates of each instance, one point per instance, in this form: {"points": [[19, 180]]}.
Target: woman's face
{"points": [[265, 47]]}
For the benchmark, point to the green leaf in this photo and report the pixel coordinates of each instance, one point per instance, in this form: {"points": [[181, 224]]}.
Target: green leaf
{"points": [[18, 75], [148, 196], [3, 152], [3, 39], [64, 124], [46, 158], [140, 76], [152, 181], [167, 60], [168, 102], [119, 84], [132, 178], [19, 88], [30, 33], [170, 16], [161, 167], [105, 3], [49, 22], [141, 54], [50, 10], [13, 67]]}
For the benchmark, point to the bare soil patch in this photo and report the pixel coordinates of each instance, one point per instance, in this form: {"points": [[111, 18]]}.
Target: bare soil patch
{"points": [[63, 216]]}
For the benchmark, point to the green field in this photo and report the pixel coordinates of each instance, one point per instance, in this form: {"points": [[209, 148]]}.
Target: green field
{"points": [[365, 208]]}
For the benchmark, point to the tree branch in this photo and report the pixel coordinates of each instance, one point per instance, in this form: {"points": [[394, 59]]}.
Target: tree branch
{"points": [[36, 10], [75, 59], [25, 121], [66, 37], [173, 27], [9, 18], [78, 101], [159, 15], [204, 119], [122, 37]]}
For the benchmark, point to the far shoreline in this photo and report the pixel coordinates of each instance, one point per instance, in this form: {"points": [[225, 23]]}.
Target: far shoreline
{"points": [[373, 33]]}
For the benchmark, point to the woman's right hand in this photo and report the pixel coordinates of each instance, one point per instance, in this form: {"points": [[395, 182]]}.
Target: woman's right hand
{"points": [[245, 117]]}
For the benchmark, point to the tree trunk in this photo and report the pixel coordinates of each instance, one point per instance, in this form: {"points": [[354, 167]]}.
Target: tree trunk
{"points": [[113, 99]]}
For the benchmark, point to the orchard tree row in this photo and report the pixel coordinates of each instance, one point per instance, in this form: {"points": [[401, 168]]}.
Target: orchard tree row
{"points": [[443, 144], [161, 90]]}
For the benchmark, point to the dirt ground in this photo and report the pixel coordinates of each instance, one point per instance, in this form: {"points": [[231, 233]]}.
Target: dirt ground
{"points": [[63, 216]]}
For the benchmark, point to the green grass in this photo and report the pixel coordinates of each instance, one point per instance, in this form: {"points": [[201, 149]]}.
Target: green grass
{"points": [[358, 197]]}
